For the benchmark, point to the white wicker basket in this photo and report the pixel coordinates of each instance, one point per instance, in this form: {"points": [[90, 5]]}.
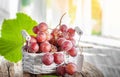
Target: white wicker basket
{"points": [[32, 63]]}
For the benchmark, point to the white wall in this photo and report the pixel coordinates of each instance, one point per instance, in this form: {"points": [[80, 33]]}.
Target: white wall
{"points": [[86, 17], [83, 16], [8, 9], [111, 18]]}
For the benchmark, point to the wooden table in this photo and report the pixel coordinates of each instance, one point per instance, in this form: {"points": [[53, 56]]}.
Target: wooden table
{"points": [[7, 70]]}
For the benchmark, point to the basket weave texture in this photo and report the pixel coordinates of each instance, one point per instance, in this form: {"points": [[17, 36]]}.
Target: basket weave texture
{"points": [[32, 63]]}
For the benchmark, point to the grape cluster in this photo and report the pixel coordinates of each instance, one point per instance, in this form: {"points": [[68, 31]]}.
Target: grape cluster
{"points": [[60, 39]]}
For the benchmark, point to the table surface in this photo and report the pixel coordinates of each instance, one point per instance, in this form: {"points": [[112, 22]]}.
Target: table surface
{"points": [[8, 71]]}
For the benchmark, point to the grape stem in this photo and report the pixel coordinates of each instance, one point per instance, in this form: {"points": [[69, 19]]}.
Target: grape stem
{"points": [[61, 20]]}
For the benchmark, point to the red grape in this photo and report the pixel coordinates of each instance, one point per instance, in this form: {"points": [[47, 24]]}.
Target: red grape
{"points": [[60, 70], [58, 58], [48, 36], [71, 32], [33, 47], [53, 41], [41, 37], [42, 26], [63, 28], [71, 68], [45, 47], [55, 31], [67, 45], [47, 59], [33, 39], [60, 41], [72, 40], [72, 52], [35, 29], [65, 35]]}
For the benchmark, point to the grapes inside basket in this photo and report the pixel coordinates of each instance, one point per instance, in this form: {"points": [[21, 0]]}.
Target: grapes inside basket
{"points": [[50, 50]]}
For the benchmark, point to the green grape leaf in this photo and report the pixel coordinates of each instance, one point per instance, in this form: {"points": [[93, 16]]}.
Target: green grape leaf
{"points": [[11, 40]]}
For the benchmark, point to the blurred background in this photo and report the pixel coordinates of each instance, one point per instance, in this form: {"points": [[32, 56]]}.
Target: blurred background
{"points": [[94, 17], [98, 19]]}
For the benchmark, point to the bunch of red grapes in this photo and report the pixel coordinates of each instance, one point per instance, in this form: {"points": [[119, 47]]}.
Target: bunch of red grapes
{"points": [[60, 39]]}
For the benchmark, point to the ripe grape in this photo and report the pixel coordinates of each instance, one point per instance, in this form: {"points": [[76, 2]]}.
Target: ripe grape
{"points": [[42, 26], [71, 68], [58, 58], [60, 70], [63, 28], [33, 39], [71, 32], [65, 35], [72, 40], [72, 52], [47, 59], [45, 47], [67, 45], [41, 37], [48, 36], [53, 41], [55, 31], [60, 41], [35, 29], [33, 47]]}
